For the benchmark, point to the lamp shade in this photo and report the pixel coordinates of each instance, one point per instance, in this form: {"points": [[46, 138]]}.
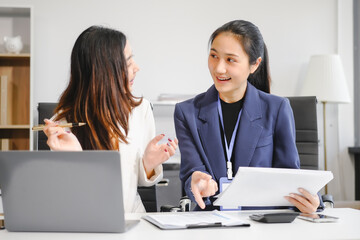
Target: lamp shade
{"points": [[325, 79]]}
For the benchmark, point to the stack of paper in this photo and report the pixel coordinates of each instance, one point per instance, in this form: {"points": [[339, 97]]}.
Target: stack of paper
{"points": [[254, 186]]}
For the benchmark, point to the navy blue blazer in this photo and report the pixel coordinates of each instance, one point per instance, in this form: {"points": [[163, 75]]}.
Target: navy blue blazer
{"points": [[265, 137]]}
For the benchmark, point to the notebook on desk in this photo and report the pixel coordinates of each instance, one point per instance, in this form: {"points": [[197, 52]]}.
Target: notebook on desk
{"points": [[62, 191]]}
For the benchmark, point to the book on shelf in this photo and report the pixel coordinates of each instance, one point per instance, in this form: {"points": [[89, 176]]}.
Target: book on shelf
{"points": [[3, 106], [3, 109]]}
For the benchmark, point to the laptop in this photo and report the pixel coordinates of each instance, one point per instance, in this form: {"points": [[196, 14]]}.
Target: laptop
{"points": [[51, 191]]}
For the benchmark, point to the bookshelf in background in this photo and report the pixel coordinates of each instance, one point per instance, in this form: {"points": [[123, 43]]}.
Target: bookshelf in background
{"points": [[15, 77], [15, 101]]}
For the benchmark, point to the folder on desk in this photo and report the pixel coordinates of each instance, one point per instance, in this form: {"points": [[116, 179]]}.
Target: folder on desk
{"points": [[185, 220], [255, 186]]}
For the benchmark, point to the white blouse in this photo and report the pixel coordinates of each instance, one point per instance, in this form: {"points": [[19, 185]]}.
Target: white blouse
{"points": [[141, 132]]}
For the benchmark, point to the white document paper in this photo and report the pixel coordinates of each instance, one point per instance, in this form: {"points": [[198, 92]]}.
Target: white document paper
{"points": [[254, 186]]}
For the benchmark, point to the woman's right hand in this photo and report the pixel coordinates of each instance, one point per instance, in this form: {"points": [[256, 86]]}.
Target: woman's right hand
{"points": [[202, 185], [59, 139]]}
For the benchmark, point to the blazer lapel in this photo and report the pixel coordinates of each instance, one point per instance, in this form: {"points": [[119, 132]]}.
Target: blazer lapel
{"points": [[210, 135], [249, 131]]}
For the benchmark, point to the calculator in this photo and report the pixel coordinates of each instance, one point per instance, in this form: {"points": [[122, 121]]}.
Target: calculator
{"points": [[285, 217]]}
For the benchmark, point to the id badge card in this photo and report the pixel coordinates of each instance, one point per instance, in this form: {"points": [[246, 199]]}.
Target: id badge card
{"points": [[224, 182]]}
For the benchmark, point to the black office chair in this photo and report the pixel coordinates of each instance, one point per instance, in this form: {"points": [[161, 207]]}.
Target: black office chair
{"points": [[46, 110], [304, 109]]}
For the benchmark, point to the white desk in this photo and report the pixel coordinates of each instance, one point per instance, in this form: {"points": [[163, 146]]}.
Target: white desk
{"points": [[348, 227]]}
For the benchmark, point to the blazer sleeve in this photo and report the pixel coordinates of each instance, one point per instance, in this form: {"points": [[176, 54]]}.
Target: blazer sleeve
{"points": [[149, 134], [285, 151], [191, 161]]}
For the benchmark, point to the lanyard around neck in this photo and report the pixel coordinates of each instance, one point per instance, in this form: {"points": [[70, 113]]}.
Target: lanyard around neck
{"points": [[229, 149]]}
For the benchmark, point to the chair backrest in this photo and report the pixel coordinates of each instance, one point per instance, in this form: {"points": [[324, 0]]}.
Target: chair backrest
{"points": [[46, 110], [148, 197], [304, 109]]}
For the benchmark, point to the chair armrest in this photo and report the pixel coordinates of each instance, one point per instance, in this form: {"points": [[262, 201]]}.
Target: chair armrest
{"points": [[328, 200], [185, 205], [170, 208]]}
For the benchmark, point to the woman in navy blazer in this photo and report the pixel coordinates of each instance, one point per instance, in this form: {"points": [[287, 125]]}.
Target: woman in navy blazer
{"points": [[239, 107]]}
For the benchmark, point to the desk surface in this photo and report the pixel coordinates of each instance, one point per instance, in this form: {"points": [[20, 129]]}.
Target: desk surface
{"points": [[348, 227]]}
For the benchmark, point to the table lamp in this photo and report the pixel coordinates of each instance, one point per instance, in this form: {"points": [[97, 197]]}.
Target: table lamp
{"points": [[325, 79]]}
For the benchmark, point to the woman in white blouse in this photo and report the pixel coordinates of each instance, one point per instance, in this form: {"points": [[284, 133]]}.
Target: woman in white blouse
{"points": [[99, 94]]}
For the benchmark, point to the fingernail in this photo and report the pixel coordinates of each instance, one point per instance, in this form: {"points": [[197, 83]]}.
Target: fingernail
{"points": [[292, 195], [169, 140], [56, 132], [301, 190], [168, 144], [163, 134], [165, 150], [68, 131]]}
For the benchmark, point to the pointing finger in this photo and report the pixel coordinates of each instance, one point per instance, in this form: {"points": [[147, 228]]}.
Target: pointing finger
{"points": [[198, 197]]}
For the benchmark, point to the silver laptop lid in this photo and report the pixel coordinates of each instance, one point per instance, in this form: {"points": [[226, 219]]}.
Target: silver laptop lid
{"points": [[62, 191]]}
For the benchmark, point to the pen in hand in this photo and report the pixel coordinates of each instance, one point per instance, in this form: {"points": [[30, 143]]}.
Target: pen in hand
{"points": [[42, 126]]}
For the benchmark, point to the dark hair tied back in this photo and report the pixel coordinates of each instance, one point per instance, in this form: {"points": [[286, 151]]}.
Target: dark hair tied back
{"points": [[253, 44]]}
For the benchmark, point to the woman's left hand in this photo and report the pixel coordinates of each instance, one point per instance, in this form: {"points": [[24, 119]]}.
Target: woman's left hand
{"points": [[155, 154], [306, 203]]}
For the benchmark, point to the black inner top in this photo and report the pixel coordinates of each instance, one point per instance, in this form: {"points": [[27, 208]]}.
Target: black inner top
{"points": [[230, 113]]}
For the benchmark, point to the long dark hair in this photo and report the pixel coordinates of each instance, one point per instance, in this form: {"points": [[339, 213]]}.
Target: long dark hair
{"points": [[253, 44], [98, 92]]}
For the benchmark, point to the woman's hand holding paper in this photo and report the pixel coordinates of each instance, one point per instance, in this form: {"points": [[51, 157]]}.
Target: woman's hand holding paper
{"points": [[305, 202]]}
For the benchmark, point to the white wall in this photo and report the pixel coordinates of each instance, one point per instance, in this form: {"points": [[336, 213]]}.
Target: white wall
{"points": [[169, 39], [346, 130]]}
